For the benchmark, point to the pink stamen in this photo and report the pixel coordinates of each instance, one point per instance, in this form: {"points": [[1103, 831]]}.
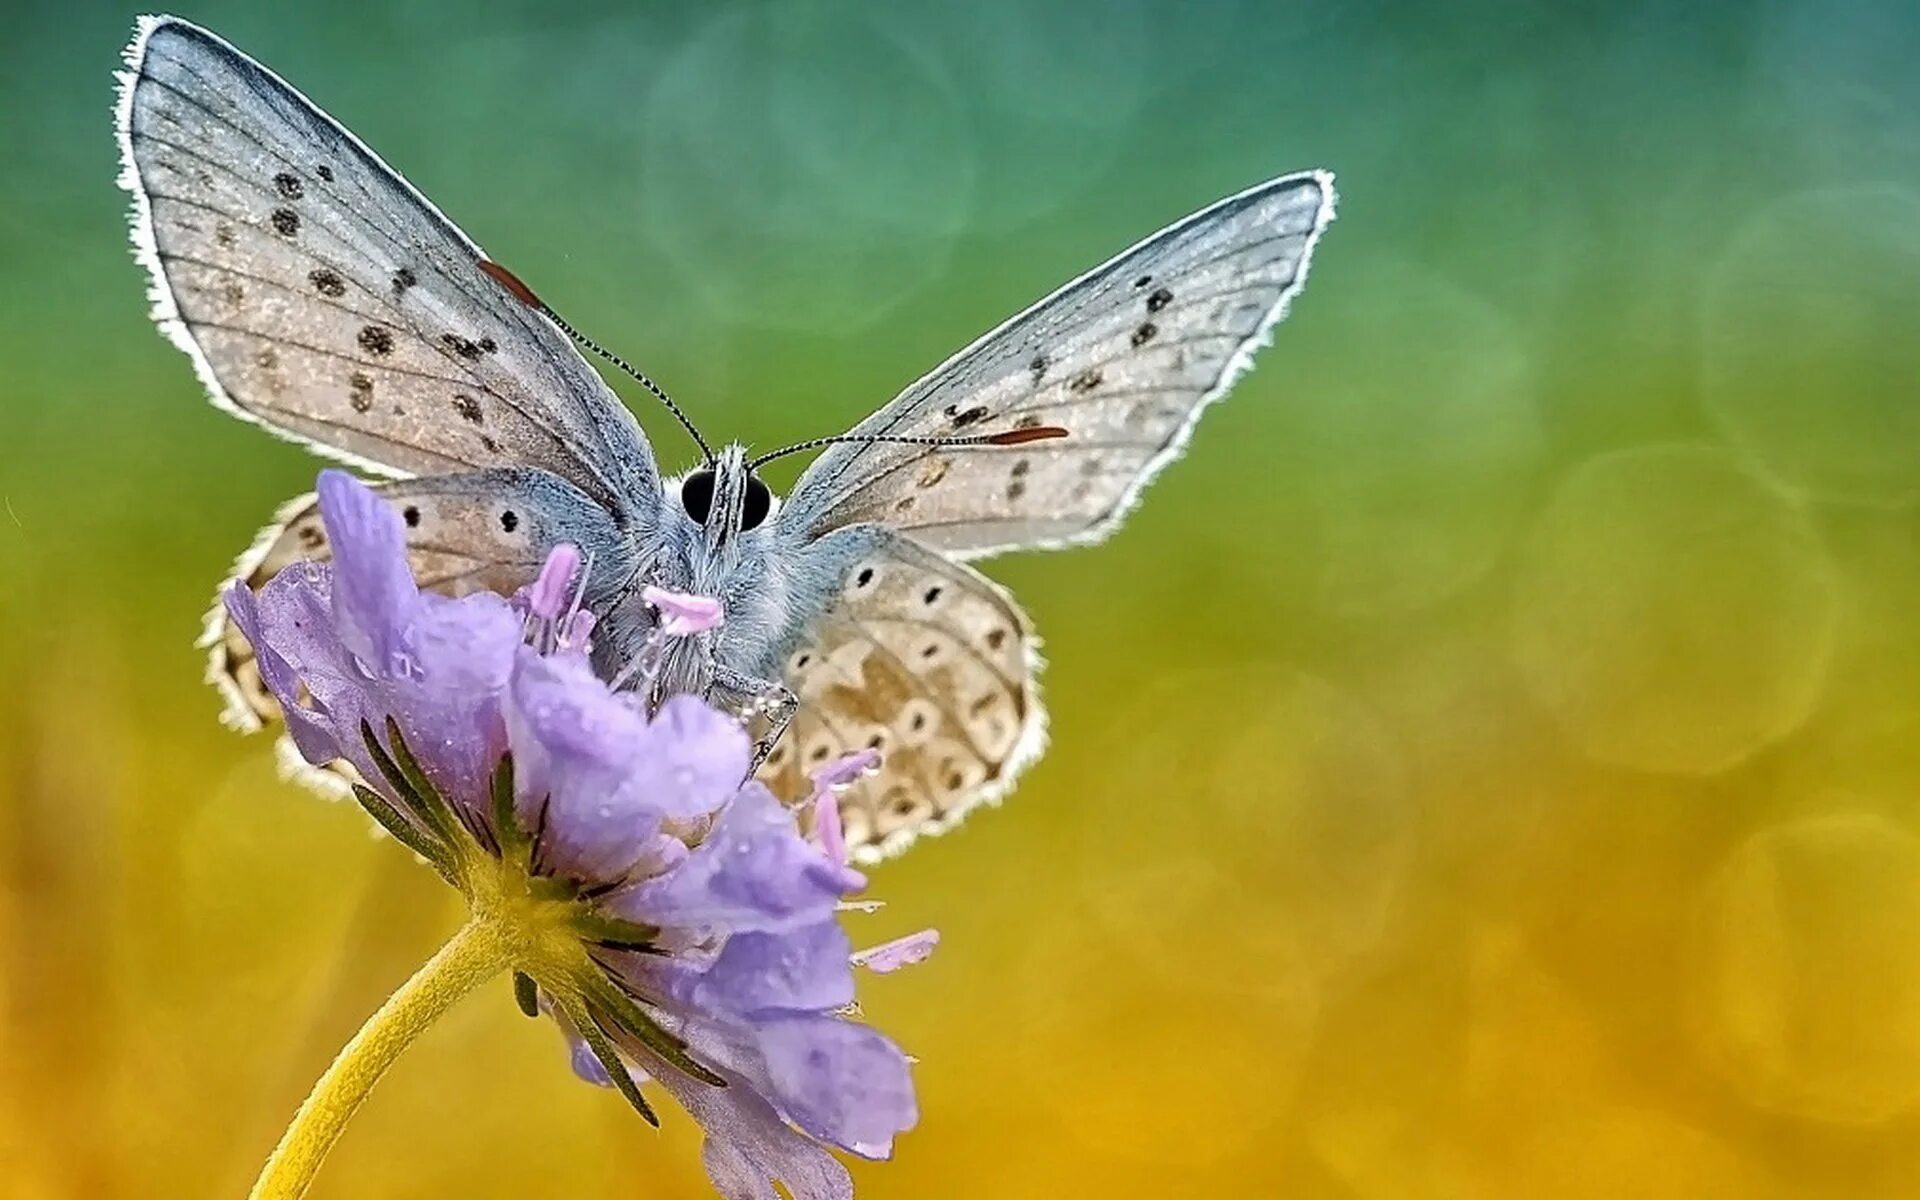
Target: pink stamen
{"points": [[575, 626], [549, 592], [898, 953], [826, 808], [826, 827], [844, 770], [685, 614], [851, 882], [575, 630]]}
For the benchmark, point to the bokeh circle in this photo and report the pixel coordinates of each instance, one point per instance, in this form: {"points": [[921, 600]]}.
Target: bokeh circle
{"points": [[1671, 612]]}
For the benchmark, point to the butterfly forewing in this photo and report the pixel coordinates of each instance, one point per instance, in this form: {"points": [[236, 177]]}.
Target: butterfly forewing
{"points": [[322, 296], [923, 660], [1124, 358]]}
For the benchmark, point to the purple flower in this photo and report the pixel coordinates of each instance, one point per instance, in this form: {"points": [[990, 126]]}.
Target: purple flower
{"points": [[676, 924]]}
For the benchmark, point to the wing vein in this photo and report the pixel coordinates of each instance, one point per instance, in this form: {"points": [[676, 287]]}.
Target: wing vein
{"points": [[395, 240], [972, 653], [398, 245]]}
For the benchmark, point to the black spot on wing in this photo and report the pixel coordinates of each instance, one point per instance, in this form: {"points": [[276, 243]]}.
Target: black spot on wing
{"points": [[327, 282], [467, 407], [360, 391], [376, 340], [403, 279], [1086, 380], [289, 185], [285, 221], [464, 347], [1160, 298], [324, 171], [1144, 334]]}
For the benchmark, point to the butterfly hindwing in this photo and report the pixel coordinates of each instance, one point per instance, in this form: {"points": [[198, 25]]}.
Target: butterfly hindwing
{"points": [[474, 531], [320, 295], [1125, 358], [922, 659]]}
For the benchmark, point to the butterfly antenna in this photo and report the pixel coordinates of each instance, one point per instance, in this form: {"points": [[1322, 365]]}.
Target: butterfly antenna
{"points": [[524, 294], [1011, 437]]}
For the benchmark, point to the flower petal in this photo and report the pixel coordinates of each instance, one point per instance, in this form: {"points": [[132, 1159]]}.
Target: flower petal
{"points": [[839, 1081], [464, 651], [575, 748], [749, 1147], [699, 757], [753, 872], [806, 969], [261, 624], [374, 596]]}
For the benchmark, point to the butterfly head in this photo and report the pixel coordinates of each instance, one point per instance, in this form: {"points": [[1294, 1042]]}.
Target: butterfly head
{"points": [[725, 498]]}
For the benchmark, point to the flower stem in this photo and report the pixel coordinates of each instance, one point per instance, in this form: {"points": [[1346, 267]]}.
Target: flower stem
{"points": [[470, 958]]}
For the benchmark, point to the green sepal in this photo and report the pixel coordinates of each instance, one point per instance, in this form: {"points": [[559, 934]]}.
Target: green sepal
{"points": [[430, 797], [526, 993], [581, 1017], [640, 1024], [404, 831], [614, 932], [552, 887], [506, 825], [426, 805]]}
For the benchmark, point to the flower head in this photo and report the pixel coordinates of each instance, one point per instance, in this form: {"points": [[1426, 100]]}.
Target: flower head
{"points": [[670, 916]]}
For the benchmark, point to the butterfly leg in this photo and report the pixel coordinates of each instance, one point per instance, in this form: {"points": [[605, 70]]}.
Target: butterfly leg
{"points": [[760, 698]]}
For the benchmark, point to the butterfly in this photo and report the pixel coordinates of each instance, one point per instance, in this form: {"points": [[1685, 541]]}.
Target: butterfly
{"points": [[319, 295]]}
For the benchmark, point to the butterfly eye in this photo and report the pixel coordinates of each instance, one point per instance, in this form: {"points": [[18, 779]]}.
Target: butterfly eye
{"points": [[758, 503], [696, 496]]}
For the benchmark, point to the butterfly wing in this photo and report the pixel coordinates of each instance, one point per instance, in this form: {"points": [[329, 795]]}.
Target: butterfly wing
{"points": [[468, 532], [1125, 357], [320, 295], [920, 658]]}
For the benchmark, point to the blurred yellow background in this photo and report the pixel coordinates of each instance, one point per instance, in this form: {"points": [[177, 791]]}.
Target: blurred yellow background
{"points": [[1485, 767]]}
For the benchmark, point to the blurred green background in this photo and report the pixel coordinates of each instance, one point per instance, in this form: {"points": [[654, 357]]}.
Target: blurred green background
{"points": [[1488, 765]]}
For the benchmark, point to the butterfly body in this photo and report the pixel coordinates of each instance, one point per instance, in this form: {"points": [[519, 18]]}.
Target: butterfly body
{"points": [[321, 296], [720, 546]]}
